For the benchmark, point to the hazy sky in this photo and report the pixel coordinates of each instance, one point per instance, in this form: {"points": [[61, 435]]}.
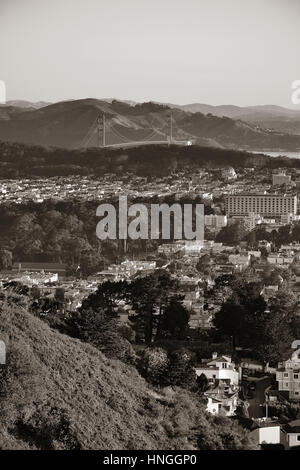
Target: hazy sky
{"points": [[241, 52]]}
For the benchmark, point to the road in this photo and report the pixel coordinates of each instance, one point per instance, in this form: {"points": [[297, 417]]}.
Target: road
{"points": [[255, 410]]}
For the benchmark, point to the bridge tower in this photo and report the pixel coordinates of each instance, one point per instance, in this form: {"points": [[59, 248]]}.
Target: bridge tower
{"points": [[101, 130], [171, 128]]}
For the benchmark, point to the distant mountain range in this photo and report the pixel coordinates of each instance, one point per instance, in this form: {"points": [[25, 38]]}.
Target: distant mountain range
{"points": [[27, 104], [267, 116], [72, 124]]}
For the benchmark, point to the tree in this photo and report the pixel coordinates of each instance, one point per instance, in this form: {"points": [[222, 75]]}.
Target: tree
{"points": [[252, 240], [148, 295], [221, 433], [265, 328], [274, 340], [154, 365], [230, 320], [232, 234], [175, 320], [243, 409], [100, 329], [5, 259], [181, 371], [203, 264], [59, 294], [240, 315], [202, 382]]}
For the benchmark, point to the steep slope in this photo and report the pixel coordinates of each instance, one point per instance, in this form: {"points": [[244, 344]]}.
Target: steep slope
{"points": [[73, 124], [59, 393]]}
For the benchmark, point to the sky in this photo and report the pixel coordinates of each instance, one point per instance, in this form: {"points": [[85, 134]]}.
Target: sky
{"points": [[241, 52]]}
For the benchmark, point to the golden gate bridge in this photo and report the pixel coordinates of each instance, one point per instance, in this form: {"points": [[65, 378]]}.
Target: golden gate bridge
{"points": [[104, 132]]}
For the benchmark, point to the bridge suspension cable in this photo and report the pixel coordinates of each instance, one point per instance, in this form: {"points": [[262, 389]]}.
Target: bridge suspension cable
{"points": [[102, 127]]}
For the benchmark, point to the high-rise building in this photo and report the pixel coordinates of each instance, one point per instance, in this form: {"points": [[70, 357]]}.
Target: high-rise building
{"points": [[262, 204]]}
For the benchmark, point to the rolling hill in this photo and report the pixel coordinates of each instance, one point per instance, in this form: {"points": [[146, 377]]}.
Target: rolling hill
{"points": [[59, 393], [73, 124], [267, 116]]}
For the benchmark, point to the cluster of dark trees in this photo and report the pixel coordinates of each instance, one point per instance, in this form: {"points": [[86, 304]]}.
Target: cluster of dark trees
{"points": [[63, 232], [159, 312], [159, 315], [235, 233], [267, 328], [169, 368], [19, 160]]}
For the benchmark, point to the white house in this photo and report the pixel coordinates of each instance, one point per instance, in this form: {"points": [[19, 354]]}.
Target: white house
{"points": [[292, 430], [222, 399], [267, 432], [218, 368]]}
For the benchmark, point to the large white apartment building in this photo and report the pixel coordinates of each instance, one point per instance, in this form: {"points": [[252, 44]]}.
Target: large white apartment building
{"points": [[263, 204]]}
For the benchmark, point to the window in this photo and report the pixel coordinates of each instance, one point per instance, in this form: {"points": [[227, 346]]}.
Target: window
{"points": [[285, 374], [295, 376], [298, 437]]}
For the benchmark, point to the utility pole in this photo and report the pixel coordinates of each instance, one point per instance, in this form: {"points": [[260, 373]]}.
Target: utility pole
{"points": [[171, 127]]}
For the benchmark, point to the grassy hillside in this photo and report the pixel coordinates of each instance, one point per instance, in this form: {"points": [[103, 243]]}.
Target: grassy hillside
{"points": [[59, 393], [72, 124]]}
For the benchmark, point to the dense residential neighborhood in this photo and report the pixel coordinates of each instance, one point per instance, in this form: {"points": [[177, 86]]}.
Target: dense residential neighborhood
{"points": [[251, 237]]}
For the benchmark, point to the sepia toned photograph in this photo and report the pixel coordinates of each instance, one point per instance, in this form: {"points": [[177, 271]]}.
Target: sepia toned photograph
{"points": [[149, 230]]}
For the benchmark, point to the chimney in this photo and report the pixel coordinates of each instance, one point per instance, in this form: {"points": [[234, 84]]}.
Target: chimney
{"points": [[214, 355]]}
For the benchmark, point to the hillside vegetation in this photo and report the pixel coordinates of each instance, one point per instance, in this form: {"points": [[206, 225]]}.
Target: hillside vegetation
{"points": [[59, 393], [72, 124], [19, 160]]}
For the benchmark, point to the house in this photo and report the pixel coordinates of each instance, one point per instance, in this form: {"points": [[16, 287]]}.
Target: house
{"points": [[228, 174], [269, 291], [170, 248], [276, 258], [255, 253], [215, 221], [241, 260], [292, 430], [222, 398], [20, 267], [218, 368], [255, 366], [193, 248], [288, 376], [36, 278], [265, 244], [267, 431]]}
